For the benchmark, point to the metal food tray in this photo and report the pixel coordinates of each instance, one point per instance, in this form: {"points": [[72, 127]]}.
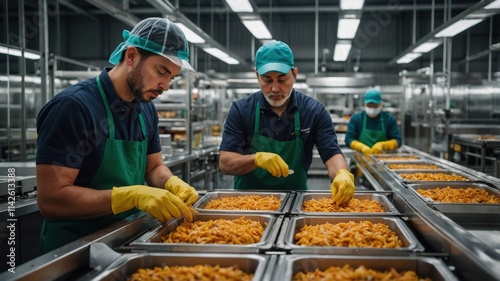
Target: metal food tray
{"points": [[425, 267], [418, 162], [203, 201], [292, 225], [448, 172], [474, 139], [381, 158], [151, 240], [458, 207], [389, 208], [128, 264]]}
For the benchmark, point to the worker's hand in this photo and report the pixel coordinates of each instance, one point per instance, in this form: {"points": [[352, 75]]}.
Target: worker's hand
{"points": [[384, 145], [160, 203], [272, 162], [182, 190], [342, 187], [361, 147]]}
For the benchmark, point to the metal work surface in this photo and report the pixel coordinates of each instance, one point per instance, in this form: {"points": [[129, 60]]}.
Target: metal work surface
{"points": [[438, 244]]}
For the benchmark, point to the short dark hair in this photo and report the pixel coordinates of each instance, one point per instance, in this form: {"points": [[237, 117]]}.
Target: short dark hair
{"points": [[144, 54]]}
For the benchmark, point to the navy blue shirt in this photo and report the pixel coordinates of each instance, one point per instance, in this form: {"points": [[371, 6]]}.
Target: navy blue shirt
{"points": [[356, 125], [73, 126], [316, 127]]}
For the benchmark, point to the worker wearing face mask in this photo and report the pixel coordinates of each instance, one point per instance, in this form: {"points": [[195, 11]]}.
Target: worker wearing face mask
{"points": [[373, 130]]}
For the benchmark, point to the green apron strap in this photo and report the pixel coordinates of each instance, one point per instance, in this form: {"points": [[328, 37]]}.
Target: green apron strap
{"points": [[111, 123]]}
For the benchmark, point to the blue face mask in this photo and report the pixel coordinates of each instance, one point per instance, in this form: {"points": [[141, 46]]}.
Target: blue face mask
{"points": [[372, 111]]}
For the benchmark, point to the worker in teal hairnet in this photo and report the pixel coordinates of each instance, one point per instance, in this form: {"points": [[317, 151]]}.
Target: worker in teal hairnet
{"points": [[373, 130]]}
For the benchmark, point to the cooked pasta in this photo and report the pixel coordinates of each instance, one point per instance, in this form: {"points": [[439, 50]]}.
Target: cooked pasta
{"points": [[469, 195], [354, 205], [245, 202], [348, 234], [413, 166], [219, 231], [359, 273], [188, 273], [392, 158], [433, 177]]}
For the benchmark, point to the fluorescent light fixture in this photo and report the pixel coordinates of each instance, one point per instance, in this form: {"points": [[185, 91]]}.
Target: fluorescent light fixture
{"points": [[493, 5], [408, 58], [351, 4], [458, 27], [341, 51], [239, 6], [18, 53], [191, 36], [426, 47], [221, 55], [347, 28], [257, 28]]}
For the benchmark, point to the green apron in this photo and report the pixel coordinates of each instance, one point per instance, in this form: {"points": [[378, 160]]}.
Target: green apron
{"points": [[292, 153], [123, 164], [370, 137]]}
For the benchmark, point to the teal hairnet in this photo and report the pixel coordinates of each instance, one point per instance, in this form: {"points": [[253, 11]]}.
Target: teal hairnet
{"points": [[159, 36]]}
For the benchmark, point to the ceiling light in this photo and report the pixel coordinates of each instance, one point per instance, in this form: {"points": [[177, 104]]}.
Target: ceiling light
{"points": [[221, 55], [493, 5], [408, 58], [351, 4], [426, 47], [341, 51], [458, 27], [347, 28], [240, 6], [18, 53], [191, 36], [257, 28]]}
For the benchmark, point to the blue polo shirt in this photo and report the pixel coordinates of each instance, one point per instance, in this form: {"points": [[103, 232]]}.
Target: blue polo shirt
{"points": [[316, 127], [73, 126], [355, 126]]}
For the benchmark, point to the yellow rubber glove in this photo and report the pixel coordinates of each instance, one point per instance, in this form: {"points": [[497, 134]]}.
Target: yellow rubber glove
{"points": [[271, 162], [384, 145], [160, 203], [182, 190], [361, 147], [342, 187]]}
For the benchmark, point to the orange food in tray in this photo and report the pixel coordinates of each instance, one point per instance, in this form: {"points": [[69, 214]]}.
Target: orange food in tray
{"points": [[359, 273], [459, 195], [245, 202], [432, 177], [413, 167], [187, 273], [354, 205], [348, 234], [219, 231]]}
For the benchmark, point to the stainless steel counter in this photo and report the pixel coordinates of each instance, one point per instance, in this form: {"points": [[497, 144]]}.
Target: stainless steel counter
{"points": [[467, 244]]}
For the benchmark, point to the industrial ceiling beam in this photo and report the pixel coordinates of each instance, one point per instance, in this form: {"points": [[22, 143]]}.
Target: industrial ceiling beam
{"points": [[116, 11]]}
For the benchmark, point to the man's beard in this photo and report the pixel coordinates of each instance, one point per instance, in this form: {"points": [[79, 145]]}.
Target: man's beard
{"points": [[277, 103], [135, 85]]}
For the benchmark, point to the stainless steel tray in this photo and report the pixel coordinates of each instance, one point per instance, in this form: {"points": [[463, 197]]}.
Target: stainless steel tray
{"points": [[385, 158], [292, 225], [128, 264], [431, 268], [306, 196], [448, 172], [151, 240], [203, 201], [458, 207], [422, 162]]}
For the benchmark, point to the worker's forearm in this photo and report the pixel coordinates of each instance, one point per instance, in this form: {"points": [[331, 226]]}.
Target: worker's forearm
{"points": [[334, 164], [232, 163], [75, 202]]}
